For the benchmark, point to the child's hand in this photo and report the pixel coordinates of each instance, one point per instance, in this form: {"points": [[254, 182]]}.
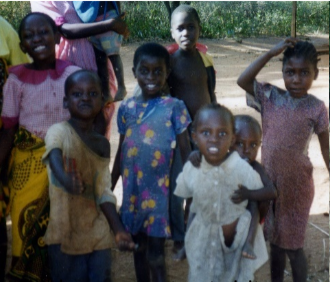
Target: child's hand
{"points": [[74, 184], [195, 158], [280, 47], [240, 195], [124, 241], [120, 26]]}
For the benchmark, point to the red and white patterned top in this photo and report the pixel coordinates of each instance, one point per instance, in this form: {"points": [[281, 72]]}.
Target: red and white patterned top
{"points": [[34, 99]]}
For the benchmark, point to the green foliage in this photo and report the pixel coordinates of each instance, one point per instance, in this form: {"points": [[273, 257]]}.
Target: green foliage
{"points": [[149, 20], [14, 11]]}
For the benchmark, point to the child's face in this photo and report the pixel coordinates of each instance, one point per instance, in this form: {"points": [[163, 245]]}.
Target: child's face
{"points": [[185, 31], [214, 136], [38, 40], [248, 141], [298, 75], [84, 97], [151, 74]]}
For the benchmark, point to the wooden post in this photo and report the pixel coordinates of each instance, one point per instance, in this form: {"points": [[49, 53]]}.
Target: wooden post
{"points": [[294, 19]]}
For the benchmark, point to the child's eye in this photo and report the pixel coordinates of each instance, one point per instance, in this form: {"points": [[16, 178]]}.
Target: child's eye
{"points": [[76, 94], [222, 133], [143, 71], [254, 145], [205, 133], [93, 94], [191, 27], [305, 73], [44, 31], [239, 144], [158, 72]]}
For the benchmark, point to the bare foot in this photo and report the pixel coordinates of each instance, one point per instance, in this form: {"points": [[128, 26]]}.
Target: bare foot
{"points": [[121, 94], [248, 252], [180, 255]]}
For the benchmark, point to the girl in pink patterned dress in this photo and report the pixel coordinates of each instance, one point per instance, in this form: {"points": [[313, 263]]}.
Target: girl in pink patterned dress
{"points": [[289, 118], [32, 102]]}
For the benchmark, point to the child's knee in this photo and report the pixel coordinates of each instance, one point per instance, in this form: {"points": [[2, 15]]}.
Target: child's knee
{"points": [[156, 260]]}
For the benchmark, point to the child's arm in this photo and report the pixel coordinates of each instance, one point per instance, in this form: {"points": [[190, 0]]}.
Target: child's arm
{"points": [[246, 79], [268, 192], [6, 142], [247, 250], [71, 181], [115, 174], [122, 238], [82, 30], [324, 144]]}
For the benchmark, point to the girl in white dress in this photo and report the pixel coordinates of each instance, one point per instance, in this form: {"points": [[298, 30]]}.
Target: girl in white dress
{"points": [[215, 239]]}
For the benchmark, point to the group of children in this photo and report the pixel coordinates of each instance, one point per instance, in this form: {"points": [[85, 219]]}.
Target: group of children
{"points": [[175, 112]]}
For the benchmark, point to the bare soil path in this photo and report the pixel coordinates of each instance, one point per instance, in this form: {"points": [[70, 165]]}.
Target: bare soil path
{"points": [[230, 59]]}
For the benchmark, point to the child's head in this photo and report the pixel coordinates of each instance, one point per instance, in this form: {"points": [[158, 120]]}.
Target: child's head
{"points": [[151, 67], [248, 137], [38, 35], [213, 132], [300, 68], [185, 27], [83, 94]]}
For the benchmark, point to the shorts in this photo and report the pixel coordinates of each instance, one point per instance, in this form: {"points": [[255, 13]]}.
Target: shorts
{"points": [[110, 41], [95, 266]]}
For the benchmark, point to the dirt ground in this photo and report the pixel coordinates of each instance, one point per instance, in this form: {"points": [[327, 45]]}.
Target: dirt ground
{"points": [[230, 59]]}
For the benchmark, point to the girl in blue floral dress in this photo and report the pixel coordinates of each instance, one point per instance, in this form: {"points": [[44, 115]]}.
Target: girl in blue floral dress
{"points": [[150, 126]]}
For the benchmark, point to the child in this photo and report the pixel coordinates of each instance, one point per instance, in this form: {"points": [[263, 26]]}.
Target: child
{"points": [[77, 158], [248, 140], [10, 55], [149, 125], [109, 42], [192, 80], [216, 237], [289, 117], [76, 48], [32, 102]]}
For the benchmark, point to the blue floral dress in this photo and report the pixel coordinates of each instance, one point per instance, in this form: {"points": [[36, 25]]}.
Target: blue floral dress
{"points": [[150, 130]]}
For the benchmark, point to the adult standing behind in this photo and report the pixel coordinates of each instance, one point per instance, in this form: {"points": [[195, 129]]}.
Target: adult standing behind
{"points": [[10, 55], [75, 47]]}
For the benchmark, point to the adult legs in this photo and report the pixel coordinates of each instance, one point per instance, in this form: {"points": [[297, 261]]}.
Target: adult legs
{"points": [[277, 263], [298, 264], [119, 73], [3, 247]]}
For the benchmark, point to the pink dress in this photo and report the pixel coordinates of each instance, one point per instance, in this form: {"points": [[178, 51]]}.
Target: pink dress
{"points": [[77, 51], [288, 125]]}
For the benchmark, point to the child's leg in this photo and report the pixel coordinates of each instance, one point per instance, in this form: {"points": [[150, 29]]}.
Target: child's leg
{"points": [[156, 259], [298, 264], [176, 204], [3, 248], [247, 250], [119, 73], [102, 70], [277, 263], [99, 266], [140, 258]]}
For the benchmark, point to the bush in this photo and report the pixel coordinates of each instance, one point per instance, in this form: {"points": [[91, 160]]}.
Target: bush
{"points": [[149, 20]]}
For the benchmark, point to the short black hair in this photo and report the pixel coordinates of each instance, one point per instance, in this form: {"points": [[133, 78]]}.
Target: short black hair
{"points": [[153, 50], [45, 16], [246, 119], [186, 9], [302, 49], [69, 80], [213, 107]]}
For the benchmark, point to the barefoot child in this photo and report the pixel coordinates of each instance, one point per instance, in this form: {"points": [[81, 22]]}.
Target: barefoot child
{"points": [[82, 203], [149, 125], [216, 237], [109, 42], [32, 102], [192, 80], [289, 118]]}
